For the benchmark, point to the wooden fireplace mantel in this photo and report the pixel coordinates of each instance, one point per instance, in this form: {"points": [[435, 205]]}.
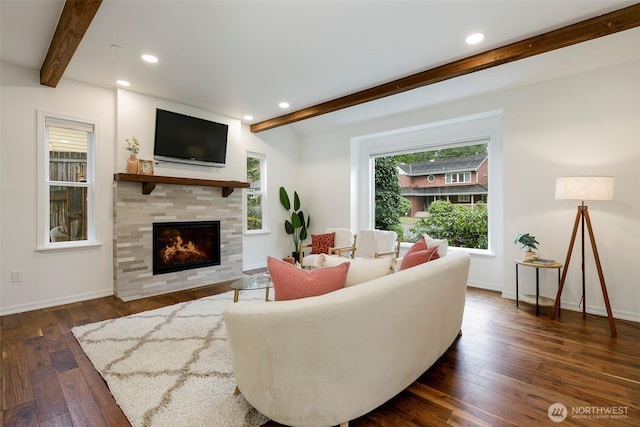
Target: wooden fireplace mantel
{"points": [[149, 182]]}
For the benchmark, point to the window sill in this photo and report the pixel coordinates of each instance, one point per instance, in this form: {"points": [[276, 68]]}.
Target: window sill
{"points": [[71, 246]]}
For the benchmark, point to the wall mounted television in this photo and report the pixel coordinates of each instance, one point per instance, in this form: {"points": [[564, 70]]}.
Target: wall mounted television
{"points": [[185, 139]]}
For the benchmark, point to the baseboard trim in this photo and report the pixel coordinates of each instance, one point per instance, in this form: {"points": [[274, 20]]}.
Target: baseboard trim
{"points": [[595, 310], [37, 305]]}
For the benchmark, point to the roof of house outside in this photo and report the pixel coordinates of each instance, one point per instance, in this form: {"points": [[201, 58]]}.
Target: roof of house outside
{"points": [[446, 165], [447, 190]]}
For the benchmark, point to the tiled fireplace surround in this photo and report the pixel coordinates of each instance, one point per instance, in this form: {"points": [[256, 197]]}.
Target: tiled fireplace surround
{"points": [[133, 216]]}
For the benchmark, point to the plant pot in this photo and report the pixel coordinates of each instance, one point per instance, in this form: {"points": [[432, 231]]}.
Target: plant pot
{"points": [[132, 164], [529, 255], [296, 256]]}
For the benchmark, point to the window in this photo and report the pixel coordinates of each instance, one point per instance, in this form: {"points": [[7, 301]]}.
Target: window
{"points": [[66, 170], [427, 142], [256, 193], [457, 178], [404, 194]]}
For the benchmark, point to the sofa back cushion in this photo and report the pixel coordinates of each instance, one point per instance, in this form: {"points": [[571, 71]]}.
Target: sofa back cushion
{"points": [[290, 282], [360, 269]]}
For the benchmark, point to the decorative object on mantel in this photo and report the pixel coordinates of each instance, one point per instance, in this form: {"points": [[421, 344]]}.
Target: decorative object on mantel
{"points": [[585, 188], [133, 147], [527, 241], [149, 182], [298, 226], [145, 167]]}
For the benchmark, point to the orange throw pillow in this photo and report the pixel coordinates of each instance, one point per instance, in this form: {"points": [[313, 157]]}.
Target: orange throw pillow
{"points": [[290, 282], [320, 243]]}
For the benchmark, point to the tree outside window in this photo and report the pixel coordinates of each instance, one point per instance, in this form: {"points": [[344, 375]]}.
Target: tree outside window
{"points": [[255, 197]]}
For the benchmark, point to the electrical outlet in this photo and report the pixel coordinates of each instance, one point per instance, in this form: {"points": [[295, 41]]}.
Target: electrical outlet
{"points": [[16, 276]]}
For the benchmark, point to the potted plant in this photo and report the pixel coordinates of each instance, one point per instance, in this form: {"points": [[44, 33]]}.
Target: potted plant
{"points": [[296, 225], [133, 147], [529, 242]]}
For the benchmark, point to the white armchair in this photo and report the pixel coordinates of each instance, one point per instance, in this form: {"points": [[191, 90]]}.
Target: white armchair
{"points": [[377, 243], [344, 245]]}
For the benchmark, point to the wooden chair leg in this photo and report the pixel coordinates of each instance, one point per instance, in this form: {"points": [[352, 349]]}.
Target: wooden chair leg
{"points": [[345, 424]]}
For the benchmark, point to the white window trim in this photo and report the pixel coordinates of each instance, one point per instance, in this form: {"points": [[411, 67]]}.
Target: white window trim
{"points": [[443, 134], [265, 200], [43, 243]]}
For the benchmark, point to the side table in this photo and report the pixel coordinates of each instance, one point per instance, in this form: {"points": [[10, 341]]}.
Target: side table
{"points": [[539, 300]]}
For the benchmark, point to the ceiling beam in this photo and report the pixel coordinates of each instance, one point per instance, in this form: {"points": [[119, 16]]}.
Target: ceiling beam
{"points": [[604, 25], [72, 25]]}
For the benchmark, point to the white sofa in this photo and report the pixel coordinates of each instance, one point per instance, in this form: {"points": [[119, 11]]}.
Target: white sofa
{"points": [[325, 360]]}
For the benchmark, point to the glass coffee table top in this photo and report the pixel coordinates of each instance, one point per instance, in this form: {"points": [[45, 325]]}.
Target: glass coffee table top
{"points": [[252, 282]]}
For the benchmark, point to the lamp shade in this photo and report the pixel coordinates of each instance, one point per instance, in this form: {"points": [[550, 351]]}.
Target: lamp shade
{"points": [[584, 187]]}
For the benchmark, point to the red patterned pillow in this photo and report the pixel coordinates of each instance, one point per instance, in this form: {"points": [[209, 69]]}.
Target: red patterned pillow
{"points": [[320, 243], [419, 257], [290, 282]]}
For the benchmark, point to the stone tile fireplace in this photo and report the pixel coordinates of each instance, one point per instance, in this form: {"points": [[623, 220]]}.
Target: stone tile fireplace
{"points": [[134, 216]]}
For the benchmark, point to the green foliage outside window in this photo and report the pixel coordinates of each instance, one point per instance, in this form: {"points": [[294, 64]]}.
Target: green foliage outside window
{"points": [[254, 197], [463, 226]]}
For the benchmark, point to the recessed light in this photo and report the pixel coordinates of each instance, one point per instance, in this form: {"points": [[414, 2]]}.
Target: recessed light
{"points": [[475, 38], [149, 58], [284, 105], [248, 117], [123, 83]]}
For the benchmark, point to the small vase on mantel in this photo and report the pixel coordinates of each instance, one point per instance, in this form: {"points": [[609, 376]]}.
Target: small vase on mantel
{"points": [[132, 164]]}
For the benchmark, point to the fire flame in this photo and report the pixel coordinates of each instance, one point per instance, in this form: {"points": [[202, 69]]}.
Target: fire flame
{"points": [[180, 252]]}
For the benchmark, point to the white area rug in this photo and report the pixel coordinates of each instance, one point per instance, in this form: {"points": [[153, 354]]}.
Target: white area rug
{"points": [[171, 366]]}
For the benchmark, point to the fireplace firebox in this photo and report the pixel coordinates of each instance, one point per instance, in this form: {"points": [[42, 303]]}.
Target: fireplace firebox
{"points": [[184, 245]]}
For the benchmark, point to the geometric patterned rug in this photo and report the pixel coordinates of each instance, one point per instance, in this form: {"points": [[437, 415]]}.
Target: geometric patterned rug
{"points": [[171, 366]]}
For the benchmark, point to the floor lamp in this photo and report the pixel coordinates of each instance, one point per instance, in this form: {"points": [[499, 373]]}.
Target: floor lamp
{"points": [[584, 188]]}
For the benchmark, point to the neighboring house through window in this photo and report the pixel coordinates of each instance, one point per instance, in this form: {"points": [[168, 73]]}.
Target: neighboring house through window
{"points": [[66, 184]]}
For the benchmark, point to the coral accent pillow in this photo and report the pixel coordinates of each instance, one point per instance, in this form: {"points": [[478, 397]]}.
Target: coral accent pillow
{"points": [[419, 253], [320, 243], [419, 257], [290, 282]]}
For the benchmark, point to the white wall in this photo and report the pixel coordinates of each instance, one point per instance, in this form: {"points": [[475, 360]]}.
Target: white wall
{"points": [[136, 116], [61, 276], [585, 124], [581, 124], [282, 150]]}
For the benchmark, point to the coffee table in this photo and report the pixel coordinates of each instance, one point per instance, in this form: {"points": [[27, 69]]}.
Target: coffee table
{"points": [[252, 282]]}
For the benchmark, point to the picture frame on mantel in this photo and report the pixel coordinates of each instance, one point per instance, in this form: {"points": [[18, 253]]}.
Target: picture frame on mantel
{"points": [[145, 167]]}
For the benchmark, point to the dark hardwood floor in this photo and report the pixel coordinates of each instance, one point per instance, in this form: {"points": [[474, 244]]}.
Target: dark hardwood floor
{"points": [[506, 369]]}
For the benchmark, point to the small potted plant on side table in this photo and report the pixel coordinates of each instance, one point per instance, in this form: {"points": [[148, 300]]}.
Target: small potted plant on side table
{"points": [[529, 242]]}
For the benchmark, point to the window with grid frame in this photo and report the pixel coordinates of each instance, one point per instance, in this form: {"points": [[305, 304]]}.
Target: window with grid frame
{"points": [[255, 199], [457, 178], [66, 168]]}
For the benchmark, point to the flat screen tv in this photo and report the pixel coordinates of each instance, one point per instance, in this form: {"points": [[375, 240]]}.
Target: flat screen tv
{"points": [[185, 139]]}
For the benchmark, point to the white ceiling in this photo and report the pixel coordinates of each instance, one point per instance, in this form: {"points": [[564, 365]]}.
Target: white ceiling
{"points": [[244, 57]]}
